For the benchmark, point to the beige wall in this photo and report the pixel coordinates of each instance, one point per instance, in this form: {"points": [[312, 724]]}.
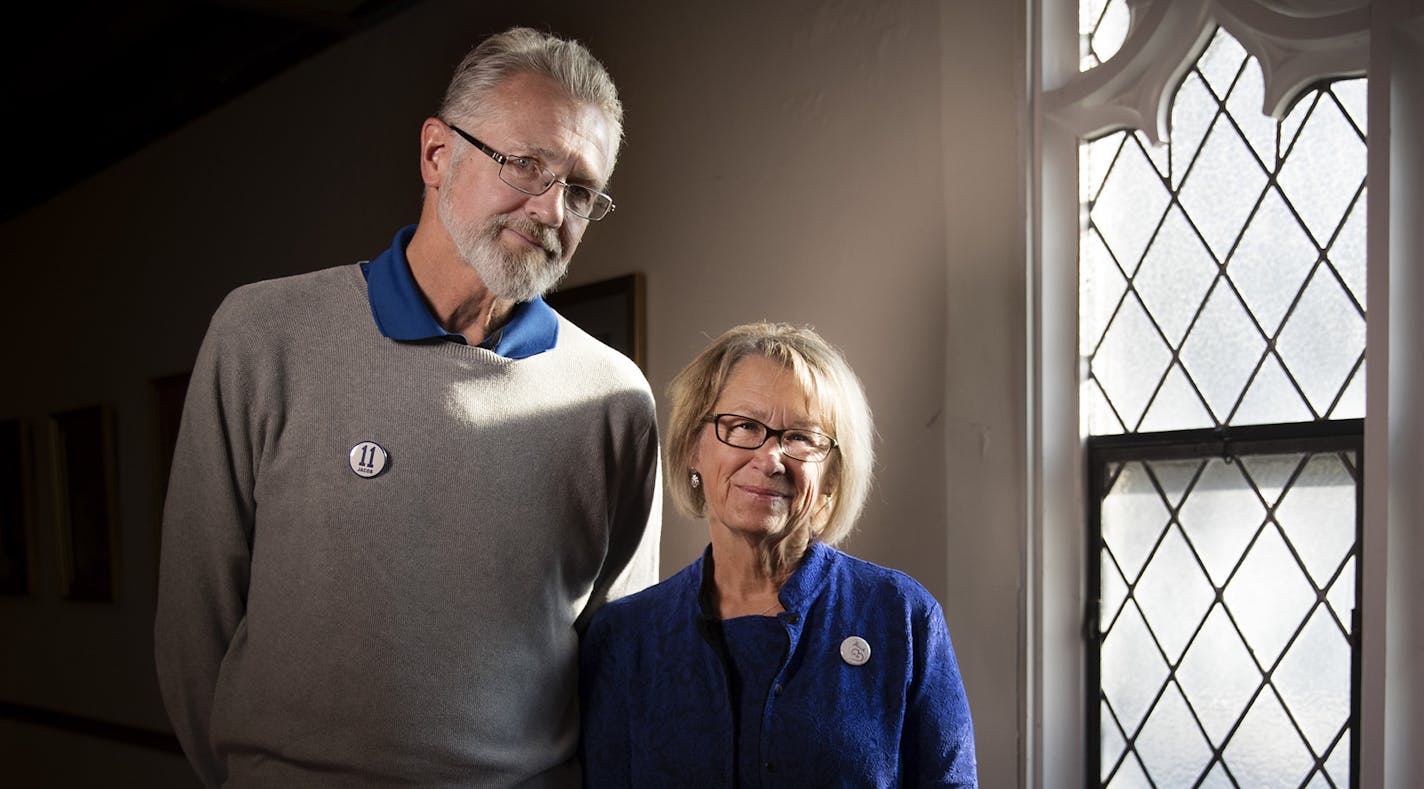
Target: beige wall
{"points": [[852, 165]]}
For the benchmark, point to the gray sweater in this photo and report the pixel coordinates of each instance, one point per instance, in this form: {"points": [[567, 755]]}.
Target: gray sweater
{"points": [[320, 628]]}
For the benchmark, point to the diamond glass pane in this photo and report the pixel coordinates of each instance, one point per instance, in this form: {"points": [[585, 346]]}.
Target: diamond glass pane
{"points": [[1134, 517], [1318, 516], [1321, 709], [1221, 62], [1223, 351], [1171, 744], [1130, 205], [1105, 288], [1347, 254], [1193, 110], [1132, 669], [1272, 397], [1244, 106], [1272, 262], [1174, 594], [1266, 752], [1352, 96], [1268, 597], [1323, 340], [1221, 517], [1222, 188], [1219, 676], [1324, 169], [1128, 365], [1175, 276], [1177, 406], [1341, 595]]}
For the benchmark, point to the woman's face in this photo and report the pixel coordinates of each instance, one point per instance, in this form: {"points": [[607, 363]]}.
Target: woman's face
{"points": [[757, 492]]}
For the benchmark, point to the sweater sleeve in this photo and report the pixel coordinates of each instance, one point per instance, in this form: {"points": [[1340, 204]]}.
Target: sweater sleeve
{"points": [[205, 560], [938, 739], [635, 523]]}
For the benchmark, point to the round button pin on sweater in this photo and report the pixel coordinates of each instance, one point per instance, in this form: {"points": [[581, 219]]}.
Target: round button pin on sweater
{"points": [[855, 651], [368, 459]]}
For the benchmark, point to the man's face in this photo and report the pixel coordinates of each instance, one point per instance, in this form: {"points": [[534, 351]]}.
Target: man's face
{"points": [[520, 244]]}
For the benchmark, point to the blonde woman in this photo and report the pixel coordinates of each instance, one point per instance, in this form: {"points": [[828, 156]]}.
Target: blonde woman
{"points": [[774, 658]]}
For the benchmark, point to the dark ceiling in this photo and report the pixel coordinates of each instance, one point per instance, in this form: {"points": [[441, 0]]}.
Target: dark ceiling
{"points": [[88, 82]]}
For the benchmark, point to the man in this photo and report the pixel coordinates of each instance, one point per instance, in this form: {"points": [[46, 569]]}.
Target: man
{"points": [[403, 487]]}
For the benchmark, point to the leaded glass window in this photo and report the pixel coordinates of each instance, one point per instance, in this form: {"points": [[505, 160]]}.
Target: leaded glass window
{"points": [[1222, 328]]}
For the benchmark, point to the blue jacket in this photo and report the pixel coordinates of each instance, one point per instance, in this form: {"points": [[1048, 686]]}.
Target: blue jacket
{"points": [[657, 709]]}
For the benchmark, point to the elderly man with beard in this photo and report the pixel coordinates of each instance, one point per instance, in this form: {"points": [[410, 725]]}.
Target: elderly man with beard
{"points": [[403, 487]]}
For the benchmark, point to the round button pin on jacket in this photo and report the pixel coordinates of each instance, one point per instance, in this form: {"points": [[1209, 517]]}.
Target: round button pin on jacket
{"points": [[368, 459], [855, 651]]}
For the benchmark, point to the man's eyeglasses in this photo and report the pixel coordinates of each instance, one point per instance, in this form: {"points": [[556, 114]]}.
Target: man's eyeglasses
{"points": [[743, 432], [531, 177]]}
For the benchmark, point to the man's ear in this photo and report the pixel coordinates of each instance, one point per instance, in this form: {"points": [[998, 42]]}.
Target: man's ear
{"points": [[434, 151]]}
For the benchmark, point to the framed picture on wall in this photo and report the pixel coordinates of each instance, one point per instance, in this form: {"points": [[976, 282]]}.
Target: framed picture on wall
{"points": [[85, 506], [14, 507], [610, 310]]}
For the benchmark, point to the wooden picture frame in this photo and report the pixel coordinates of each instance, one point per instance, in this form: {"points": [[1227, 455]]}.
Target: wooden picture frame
{"points": [[85, 502], [611, 310], [15, 480]]}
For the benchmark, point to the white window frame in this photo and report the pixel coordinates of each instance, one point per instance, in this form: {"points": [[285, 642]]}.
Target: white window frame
{"points": [[1296, 42]]}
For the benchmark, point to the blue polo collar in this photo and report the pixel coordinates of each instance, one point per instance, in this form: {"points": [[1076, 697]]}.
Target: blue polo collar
{"points": [[401, 314]]}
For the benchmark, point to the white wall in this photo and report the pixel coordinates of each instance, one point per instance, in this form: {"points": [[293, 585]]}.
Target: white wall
{"points": [[852, 165]]}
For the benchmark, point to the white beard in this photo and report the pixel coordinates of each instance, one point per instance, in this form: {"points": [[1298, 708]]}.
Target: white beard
{"points": [[517, 276]]}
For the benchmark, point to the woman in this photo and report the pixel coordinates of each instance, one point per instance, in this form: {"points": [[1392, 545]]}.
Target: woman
{"points": [[773, 659]]}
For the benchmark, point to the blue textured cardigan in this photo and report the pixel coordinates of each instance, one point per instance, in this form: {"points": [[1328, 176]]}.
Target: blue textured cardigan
{"points": [[657, 709]]}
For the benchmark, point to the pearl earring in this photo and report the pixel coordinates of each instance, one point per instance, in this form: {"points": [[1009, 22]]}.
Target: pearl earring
{"points": [[696, 480]]}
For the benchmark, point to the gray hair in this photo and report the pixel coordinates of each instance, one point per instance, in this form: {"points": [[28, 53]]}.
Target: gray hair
{"points": [[522, 50], [832, 389]]}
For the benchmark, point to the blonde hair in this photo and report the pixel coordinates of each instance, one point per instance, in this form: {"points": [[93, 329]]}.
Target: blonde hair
{"points": [[832, 390]]}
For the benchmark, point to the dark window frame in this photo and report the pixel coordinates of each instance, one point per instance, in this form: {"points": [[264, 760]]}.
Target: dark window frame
{"points": [[1323, 436]]}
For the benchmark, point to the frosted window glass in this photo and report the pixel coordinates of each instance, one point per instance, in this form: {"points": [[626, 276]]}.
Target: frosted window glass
{"points": [[1220, 518], [1133, 519], [1322, 709], [1193, 110], [1174, 594], [1348, 251], [1177, 406], [1219, 676], [1222, 351], [1175, 276], [1131, 361], [1102, 26], [1130, 206], [1324, 169], [1272, 262], [1279, 205], [1132, 669], [1106, 286], [1323, 340], [1269, 597], [1318, 516], [1171, 745], [1265, 752], [1222, 188], [1272, 397]]}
